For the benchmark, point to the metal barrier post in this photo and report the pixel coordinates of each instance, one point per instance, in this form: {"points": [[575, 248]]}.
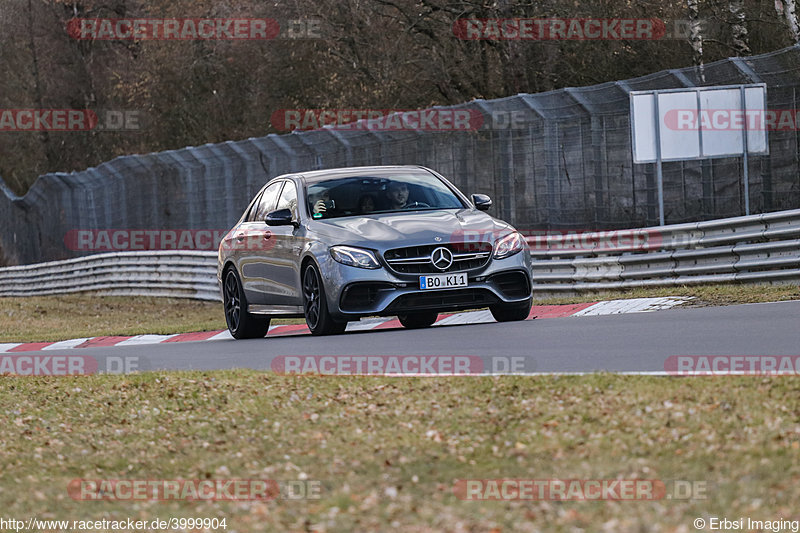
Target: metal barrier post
{"points": [[659, 173]]}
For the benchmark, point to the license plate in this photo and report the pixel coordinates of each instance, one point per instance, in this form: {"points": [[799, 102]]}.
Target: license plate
{"points": [[443, 281]]}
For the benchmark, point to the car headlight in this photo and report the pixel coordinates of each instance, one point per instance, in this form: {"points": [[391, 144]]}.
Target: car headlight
{"points": [[355, 257], [509, 245]]}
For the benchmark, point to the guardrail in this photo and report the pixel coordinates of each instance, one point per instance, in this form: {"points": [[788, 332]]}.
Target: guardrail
{"points": [[758, 248], [178, 274]]}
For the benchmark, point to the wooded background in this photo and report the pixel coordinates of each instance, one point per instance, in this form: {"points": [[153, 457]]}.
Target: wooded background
{"points": [[372, 54]]}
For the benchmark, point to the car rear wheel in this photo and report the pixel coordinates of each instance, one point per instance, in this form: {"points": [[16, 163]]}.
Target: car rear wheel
{"points": [[241, 324], [511, 313], [420, 319], [315, 305]]}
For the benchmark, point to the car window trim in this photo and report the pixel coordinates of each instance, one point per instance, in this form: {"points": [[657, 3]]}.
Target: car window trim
{"points": [[296, 196], [281, 183], [254, 204]]}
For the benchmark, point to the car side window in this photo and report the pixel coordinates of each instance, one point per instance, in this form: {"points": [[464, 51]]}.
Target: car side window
{"points": [[267, 202], [288, 199], [251, 214]]}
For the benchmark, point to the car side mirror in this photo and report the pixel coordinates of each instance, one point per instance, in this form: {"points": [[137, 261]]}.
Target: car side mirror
{"points": [[280, 217], [482, 202]]}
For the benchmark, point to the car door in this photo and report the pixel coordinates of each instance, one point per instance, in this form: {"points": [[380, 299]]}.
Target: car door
{"points": [[283, 288], [253, 241]]}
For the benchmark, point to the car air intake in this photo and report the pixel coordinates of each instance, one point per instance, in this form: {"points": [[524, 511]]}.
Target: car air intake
{"points": [[363, 295], [511, 285]]}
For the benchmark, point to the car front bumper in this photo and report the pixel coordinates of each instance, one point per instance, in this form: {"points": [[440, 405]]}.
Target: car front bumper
{"points": [[356, 292]]}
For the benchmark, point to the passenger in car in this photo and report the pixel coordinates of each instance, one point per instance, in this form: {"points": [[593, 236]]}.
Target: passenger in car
{"points": [[366, 204]]}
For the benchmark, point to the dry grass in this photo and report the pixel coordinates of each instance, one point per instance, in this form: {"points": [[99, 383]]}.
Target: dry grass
{"points": [[53, 318], [388, 451]]}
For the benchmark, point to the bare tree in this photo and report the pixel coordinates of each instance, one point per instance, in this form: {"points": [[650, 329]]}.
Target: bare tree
{"points": [[739, 28], [37, 86], [376, 54], [788, 10], [696, 35]]}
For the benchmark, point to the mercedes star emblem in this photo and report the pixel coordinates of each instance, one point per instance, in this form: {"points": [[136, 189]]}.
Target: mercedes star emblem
{"points": [[442, 258]]}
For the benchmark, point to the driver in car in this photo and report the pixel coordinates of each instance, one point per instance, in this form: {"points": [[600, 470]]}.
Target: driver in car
{"points": [[397, 193], [323, 200]]}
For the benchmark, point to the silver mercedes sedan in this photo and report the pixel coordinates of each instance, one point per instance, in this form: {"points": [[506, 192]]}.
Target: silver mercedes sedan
{"points": [[341, 244]]}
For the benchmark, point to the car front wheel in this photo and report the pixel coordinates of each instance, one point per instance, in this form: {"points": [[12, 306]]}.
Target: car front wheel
{"points": [[511, 313], [241, 324], [315, 305]]}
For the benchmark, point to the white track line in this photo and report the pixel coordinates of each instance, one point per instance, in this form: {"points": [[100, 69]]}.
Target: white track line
{"points": [[612, 307], [63, 345], [8, 346], [145, 339], [472, 317], [225, 335], [366, 324], [633, 305]]}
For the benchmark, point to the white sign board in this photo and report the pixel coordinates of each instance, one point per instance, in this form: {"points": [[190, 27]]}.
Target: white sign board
{"points": [[698, 123]]}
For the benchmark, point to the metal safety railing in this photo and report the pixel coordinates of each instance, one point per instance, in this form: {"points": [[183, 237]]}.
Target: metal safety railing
{"points": [[178, 274], [759, 248]]}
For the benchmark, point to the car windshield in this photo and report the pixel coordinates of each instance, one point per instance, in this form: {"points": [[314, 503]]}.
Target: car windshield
{"points": [[365, 195]]}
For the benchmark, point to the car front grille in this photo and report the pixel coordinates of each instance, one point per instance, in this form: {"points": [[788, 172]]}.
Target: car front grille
{"points": [[417, 259]]}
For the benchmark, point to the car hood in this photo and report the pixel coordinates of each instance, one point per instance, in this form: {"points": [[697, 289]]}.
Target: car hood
{"points": [[392, 230]]}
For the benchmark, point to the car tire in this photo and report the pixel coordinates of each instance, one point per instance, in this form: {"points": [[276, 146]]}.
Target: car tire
{"points": [[241, 324], [315, 305], [511, 312], [420, 319]]}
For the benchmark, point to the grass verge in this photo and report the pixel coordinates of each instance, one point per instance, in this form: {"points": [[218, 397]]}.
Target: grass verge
{"points": [[71, 316], [388, 451], [55, 318]]}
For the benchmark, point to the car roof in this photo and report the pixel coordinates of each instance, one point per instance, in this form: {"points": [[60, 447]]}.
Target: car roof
{"points": [[378, 171]]}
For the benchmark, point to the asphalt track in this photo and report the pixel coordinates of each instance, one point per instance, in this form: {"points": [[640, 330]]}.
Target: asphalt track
{"points": [[639, 342]]}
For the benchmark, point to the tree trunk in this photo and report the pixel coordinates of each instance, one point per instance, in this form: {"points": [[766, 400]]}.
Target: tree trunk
{"points": [[788, 9], [739, 28], [696, 36], [37, 91]]}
